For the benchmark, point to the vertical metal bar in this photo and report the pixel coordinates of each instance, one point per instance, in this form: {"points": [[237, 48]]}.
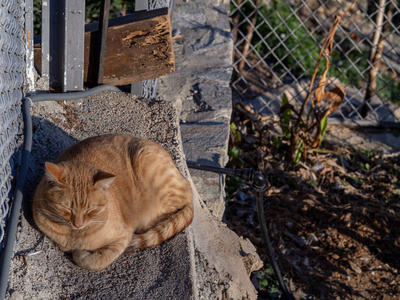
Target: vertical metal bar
{"points": [[137, 87], [73, 45], [30, 65], [63, 44], [45, 68], [141, 5], [102, 38], [171, 9], [52, 35]]}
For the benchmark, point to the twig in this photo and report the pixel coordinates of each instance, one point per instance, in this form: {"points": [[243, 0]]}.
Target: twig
{"points": [[389, 155], [375, 57], [322, 95], [249, 36]]}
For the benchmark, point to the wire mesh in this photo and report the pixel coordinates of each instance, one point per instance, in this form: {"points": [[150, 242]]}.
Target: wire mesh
{"points": [[277, 43], [12, 79], [154, 4]]}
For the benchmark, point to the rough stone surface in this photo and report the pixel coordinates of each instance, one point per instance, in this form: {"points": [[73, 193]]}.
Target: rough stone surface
{"points": [[200, 90], [223, 261], [161, 272], [206, 261]]}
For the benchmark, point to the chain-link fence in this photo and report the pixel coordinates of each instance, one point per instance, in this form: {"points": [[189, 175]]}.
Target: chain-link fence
{"points": [[277, 44], [12, 80]]}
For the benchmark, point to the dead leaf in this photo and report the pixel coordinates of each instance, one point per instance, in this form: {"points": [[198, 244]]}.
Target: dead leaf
{"points": [[336, 95], [355, 268]]}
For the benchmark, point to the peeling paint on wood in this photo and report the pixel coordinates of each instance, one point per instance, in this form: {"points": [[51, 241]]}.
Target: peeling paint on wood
{"points": [[136, 51]]}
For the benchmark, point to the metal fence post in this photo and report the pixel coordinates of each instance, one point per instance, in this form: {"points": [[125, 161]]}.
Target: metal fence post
{"points": [[63, 44], [73, 44], [141, 5], [45, 34], [30, 65]]}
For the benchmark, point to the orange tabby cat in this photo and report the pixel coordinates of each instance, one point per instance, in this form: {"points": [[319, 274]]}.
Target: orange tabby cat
{"points": [[109, 192]]}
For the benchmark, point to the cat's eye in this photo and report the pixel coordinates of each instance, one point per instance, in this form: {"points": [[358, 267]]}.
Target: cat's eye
{"points": [[51, 183], [66, 208], [91, 211]]}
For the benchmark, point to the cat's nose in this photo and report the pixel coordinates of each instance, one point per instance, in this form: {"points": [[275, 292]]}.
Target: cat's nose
{"points": [[77, 222], [77, 225]]}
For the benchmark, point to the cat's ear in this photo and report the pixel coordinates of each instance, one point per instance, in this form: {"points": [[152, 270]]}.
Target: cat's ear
{"points": [[102, 179], [54, 172]]}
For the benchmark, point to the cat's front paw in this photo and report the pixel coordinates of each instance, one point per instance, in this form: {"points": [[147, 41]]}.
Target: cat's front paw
{"points": [[97, 260], [64, 249], [86, 260]]}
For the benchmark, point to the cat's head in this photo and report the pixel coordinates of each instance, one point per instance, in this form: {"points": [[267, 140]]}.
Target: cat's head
{"points": [[75, 193]]}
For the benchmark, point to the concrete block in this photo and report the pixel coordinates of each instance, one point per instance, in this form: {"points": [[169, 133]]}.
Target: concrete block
{"points": [[205, 261], [162, 272], [200, 90]]}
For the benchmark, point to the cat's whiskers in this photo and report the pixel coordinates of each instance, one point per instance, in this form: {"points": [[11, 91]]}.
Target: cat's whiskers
{"points": [[54, 217]]}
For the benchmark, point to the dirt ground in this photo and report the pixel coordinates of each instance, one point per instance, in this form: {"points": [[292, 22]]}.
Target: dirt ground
{"points": [[333, 219]]}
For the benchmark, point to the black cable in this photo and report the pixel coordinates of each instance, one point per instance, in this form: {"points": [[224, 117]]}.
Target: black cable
{"points": [[73, 95], [23, 171], [259, 184], [268, 245], [245, 174]]}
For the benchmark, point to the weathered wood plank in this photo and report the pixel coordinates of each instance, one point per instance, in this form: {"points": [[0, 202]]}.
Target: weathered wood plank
{"points": [[139, 47]]}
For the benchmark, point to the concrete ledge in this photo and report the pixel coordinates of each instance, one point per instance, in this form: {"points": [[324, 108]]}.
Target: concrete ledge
{"points": [[162, 272], [206, 261]]}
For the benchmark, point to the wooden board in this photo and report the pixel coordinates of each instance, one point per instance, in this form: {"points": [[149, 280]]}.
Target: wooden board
{"points": [[139, 47]]}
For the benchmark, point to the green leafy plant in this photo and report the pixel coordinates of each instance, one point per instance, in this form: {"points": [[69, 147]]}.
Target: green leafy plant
{"points": [[235, 134], [234, 149], [117, 9], [286, 40], [269, 283], [233, 183]]}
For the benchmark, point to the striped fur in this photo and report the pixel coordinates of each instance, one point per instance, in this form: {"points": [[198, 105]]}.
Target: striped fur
{"points": [[164, 229], [110, 192]]}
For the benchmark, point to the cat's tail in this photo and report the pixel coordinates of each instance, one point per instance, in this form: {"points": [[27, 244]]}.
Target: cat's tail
{"points": [[165, 229]]}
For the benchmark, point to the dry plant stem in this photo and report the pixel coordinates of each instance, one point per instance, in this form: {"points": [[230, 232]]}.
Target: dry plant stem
{"points": [[310, 89], [295, 130], [235, 21], [249, 36], [325, 51], [376, 52]]}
